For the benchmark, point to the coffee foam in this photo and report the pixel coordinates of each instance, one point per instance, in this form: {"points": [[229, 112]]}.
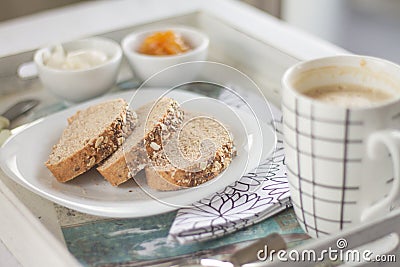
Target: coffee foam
{"points": [[349, 95]]}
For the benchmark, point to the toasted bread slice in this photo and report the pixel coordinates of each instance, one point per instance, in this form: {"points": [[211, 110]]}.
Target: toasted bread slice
{"points": [[91, 136], [195, 154], [157, 119]]}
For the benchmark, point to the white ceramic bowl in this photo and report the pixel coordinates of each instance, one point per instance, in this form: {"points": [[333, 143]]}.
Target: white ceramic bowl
{"points": [[145, 66], [80, 85]]}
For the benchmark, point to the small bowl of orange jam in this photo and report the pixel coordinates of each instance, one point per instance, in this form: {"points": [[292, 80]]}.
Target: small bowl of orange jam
{"points": [[152, 51]]}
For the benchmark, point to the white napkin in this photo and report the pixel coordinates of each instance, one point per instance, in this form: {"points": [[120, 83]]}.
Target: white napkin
{"points": [[256, 196]]}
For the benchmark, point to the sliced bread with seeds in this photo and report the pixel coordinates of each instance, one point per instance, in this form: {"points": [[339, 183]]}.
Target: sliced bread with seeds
{"points": [[156, 120], [198, 152], [91, 135]]}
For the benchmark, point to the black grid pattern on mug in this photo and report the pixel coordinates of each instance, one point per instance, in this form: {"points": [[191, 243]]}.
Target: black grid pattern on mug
{"points": [[313, 171], [317, 220]]}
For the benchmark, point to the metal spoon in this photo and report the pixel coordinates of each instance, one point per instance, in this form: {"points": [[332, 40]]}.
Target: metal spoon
{"points": [[20, 108], [11, 114]]}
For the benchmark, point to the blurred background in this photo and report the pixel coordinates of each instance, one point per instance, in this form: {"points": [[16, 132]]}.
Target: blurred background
{"points": [[369, 27]]}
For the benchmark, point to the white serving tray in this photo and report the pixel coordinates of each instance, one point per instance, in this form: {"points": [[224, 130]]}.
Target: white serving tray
{"points": [[241, 36]]}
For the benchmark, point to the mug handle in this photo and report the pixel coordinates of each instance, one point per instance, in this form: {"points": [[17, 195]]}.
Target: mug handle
{"points": [[391, 140]]}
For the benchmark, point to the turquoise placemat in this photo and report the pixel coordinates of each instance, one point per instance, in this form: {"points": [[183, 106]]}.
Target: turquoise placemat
{"points": [[136, 242]]}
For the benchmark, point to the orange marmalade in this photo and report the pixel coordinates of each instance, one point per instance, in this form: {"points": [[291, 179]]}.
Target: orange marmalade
{"points": [[163, 44]]}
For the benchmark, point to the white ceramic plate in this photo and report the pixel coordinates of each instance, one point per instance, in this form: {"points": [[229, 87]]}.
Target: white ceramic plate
{"points": [[22, 158]]}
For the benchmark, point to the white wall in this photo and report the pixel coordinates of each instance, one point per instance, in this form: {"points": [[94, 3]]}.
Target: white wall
{"points": [[369, 27]]}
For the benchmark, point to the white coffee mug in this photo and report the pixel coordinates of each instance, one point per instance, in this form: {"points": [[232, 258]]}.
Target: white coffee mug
{"points": [[343, 162]]}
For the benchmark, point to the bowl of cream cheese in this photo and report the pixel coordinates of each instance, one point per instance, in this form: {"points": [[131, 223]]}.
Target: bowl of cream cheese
{"points": [[79, 70]]}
